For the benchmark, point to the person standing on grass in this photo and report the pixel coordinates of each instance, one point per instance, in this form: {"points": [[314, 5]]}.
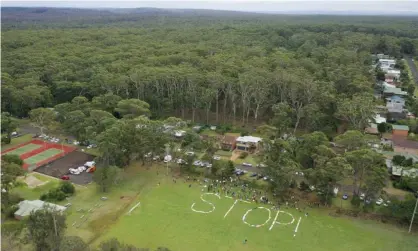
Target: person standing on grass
{"points": [[245, 241]]}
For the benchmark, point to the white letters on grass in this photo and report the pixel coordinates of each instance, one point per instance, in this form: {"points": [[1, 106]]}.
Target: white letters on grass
{"points": [[210, 203], [260, 225], [274, 222]]}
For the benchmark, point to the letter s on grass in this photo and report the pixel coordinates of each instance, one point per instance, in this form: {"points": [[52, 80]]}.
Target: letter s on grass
{"points": [[208, 202]]}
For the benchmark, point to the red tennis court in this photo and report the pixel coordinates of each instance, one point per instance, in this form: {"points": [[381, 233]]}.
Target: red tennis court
{"points": [[36, 153]]}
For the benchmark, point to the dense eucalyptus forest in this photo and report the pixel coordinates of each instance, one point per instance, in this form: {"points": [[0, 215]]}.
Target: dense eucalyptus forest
{"points": [[201, 65]]}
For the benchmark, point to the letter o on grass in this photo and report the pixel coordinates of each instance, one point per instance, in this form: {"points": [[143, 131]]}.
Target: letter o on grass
{"points": [[259, 225]]}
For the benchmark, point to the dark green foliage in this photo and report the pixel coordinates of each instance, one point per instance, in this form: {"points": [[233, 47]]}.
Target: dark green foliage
{"points": [[243, 155], [67, 187], [383, 127], [115, 245], [106, 177], [12, 158], [5, 139], [46, 228], [73, 243], [398, 159], [407, 183], [303, 186], [355, 201], [402, 161], [10, 211], [64, 190]]}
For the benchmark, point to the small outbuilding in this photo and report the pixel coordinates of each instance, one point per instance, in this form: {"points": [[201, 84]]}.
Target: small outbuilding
{"points": [[28, 206], [400, 130]]}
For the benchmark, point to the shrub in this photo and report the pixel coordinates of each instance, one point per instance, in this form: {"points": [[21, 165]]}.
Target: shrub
{"points": [[5, 140], [243, 155], [292, 184], [10, 211], [303, 186], [59, 195], [44, 197], [55, 194], [13, 158], [245, 133], [407, 162], [355, 201], [398, 159], [14, 198], [67, 187]]}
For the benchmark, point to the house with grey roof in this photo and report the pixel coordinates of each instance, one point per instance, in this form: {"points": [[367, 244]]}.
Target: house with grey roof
{"points": [[28, 206]]}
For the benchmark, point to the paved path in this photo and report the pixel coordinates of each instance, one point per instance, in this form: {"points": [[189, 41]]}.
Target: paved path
{"points": [[413, 68]]}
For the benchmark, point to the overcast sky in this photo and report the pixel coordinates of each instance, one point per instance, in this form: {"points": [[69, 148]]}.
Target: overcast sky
{"points": [[284, 6]]}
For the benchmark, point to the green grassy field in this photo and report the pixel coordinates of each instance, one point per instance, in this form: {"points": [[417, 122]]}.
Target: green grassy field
{"points": [[24, 149], [17, 141], [42, 156], [165, 218]]}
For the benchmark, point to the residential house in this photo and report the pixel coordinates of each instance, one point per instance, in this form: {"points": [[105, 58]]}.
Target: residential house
{"points": [[395, 99], [393, 73], [28, 206], [228, 142], [382, 56], [387, 63], [400, 130], [390, 90], [248, 143], [390, 80], [399, 171]]}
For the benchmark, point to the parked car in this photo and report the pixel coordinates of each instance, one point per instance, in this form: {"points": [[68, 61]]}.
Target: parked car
{"points": [[197, 163], [216, 157], [345, 197], [253, 175], [379, 201], [189, 153], [167, 158], [362, 196], [65, 177], [247, 164]]}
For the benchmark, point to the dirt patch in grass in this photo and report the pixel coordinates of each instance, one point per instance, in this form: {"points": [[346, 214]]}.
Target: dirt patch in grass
{"points": [[32, 181]]}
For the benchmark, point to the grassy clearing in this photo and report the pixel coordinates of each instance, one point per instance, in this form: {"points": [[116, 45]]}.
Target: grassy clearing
{"points": [[223, 153], [249, 159], [105, 213], [209, 132], [17, 141], [34, 193], [165, 218]]}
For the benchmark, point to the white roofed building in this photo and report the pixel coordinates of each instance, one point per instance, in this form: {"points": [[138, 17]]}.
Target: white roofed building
{"points": [[28, 206], [248, 143]]}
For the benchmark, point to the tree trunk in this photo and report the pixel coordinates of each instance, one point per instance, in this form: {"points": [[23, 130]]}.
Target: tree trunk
{"points": [[256, 112], [217, 107]]}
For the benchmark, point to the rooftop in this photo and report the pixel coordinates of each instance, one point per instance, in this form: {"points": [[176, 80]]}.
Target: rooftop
{"points": [[28, 206], [400, 127], [249, 139]]}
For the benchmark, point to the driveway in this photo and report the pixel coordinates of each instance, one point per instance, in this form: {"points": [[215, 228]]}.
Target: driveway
{"points": [[413, 68]]}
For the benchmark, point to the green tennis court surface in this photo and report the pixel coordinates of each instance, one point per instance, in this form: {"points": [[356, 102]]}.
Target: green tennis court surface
{"points": [[42, 156], [24, 149]]}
